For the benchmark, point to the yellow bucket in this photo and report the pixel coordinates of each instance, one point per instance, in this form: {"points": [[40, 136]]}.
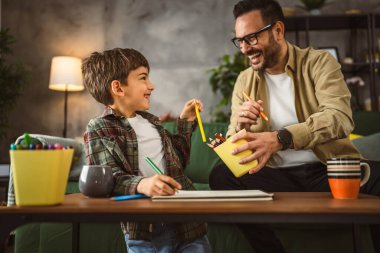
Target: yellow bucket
{"points": [[40, 176]]}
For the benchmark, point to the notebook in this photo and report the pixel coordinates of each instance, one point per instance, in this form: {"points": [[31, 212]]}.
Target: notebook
{"points": [[229, 195]]}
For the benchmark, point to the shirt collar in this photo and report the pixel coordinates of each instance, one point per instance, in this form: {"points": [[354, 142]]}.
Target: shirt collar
{"points": [[291, 64], [109, 111]]}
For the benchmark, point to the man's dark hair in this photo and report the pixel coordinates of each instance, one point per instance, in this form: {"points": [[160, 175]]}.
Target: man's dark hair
{"points": [[270, 10], [100, 69]]}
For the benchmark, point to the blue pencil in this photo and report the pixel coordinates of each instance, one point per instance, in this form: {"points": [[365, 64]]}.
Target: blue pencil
{"points": [[129, 197]]}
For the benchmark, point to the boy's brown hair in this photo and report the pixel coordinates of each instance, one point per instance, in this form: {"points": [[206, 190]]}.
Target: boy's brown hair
{"points": [[100, 69]]}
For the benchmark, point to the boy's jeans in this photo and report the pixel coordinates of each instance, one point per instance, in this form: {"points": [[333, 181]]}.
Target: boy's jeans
{"points": [[164, 241]]}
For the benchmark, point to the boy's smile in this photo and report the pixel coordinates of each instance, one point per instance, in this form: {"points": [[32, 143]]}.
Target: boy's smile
{"points": [[134, 94]]}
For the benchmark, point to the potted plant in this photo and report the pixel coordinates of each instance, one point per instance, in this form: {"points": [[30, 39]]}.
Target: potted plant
{"points": [[222, 80], [12, 78]]}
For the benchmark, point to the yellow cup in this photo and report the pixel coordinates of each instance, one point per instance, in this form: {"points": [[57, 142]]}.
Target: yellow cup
{"points": [[232, 161], [40, 176]]}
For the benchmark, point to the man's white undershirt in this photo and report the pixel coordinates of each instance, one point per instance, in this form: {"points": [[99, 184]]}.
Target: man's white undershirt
{"points": [[280, 90]]}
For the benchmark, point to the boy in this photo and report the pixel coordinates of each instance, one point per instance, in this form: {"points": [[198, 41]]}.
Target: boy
{"points": [[126, 133]]}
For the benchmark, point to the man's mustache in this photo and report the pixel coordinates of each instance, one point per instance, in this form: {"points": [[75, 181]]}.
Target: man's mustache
{"points": [[252, 52]]}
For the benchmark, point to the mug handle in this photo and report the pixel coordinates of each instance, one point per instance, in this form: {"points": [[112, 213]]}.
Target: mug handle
{"points": [[367, 173]]}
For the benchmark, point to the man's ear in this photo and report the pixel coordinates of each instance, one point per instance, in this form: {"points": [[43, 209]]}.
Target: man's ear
{"points": [[279, 30], [116, 88]]}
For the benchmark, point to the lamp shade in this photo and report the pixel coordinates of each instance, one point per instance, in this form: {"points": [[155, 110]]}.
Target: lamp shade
{"points": [[66, 74]]}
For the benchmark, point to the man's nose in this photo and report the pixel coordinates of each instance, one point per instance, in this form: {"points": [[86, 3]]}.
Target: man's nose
{"points": [[245, 47]]}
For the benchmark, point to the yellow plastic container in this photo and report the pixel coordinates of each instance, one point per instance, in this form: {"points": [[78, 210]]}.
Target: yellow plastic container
{"points": [[40, 176], [232, 161]]}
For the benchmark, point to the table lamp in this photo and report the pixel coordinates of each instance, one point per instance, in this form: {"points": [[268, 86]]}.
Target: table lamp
{"points": [[66, 75]]}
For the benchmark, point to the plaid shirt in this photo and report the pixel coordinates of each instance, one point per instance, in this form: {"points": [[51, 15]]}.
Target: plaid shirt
{"points": [[110, 139]]}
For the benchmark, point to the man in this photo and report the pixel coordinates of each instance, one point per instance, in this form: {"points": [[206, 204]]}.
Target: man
{"points": [[303, 93]]}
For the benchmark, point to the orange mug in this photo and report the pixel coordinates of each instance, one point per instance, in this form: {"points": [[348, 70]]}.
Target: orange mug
{"points": [[345, 177]]}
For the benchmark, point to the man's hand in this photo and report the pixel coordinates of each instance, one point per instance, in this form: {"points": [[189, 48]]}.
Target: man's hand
{"points": [[248, 114], [158, 185], [263, 145]]}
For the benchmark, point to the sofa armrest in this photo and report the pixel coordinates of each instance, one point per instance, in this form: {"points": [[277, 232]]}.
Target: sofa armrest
{"points": [[369, 146]]}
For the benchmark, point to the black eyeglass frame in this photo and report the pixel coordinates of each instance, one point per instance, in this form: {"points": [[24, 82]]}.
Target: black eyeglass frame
{"points": [[248, 37]]}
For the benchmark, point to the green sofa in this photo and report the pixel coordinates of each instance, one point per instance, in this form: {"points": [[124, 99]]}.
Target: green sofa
{"points": [[56, 237]]}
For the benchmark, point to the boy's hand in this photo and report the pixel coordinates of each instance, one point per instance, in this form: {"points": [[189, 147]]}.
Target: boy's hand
{"points": [[158, 185], [188, 112]]}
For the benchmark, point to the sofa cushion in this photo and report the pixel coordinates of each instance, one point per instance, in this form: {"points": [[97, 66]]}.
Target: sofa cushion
{"points": [[369, 146]]}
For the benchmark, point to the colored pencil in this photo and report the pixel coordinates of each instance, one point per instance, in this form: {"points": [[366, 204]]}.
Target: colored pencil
{"points": [[199, 121], [261, 113], [220, 137], [156, 169], [129, 197]]}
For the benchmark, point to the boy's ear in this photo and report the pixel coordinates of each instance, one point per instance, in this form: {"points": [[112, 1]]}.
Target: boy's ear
{"points": [[116, 88]]}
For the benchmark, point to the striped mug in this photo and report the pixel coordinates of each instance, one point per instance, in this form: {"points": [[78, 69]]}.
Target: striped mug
{"points": [[345, 177]]}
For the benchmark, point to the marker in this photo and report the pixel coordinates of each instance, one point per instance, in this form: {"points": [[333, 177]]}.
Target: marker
{"points": [[199, 121], [27, 139], [58, 146], [262, 114], [129, 197]]}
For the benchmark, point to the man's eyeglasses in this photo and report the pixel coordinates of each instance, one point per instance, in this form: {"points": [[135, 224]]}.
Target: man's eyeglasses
{"points": [[251, 39]]}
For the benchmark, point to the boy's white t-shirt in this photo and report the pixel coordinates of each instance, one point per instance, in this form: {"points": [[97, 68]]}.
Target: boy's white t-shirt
{"points": [[149, 144], [283, 113]]}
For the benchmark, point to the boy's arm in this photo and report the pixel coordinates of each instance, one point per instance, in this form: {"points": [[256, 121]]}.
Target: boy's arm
{"points": [[182, 141], [101, 149]]}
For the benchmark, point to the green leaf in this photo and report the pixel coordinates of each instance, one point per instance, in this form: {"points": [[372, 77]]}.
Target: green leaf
{"points": [[222, 80], [12, 80]]}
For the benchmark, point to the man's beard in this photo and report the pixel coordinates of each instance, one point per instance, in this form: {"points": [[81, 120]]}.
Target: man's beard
{"points": [[270, 54]]}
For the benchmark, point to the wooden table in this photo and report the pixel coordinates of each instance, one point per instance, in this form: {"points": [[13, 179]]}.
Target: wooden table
{"points": [[285, 208]]}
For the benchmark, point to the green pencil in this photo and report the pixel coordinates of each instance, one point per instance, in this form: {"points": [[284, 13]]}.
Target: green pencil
{"points": [[157, 170], [151, 163]]}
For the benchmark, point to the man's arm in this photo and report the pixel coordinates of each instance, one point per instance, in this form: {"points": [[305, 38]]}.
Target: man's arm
{"points": [[333, 120]]}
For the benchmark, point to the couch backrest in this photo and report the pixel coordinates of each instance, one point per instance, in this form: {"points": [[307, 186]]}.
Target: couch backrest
{"points": [[202, 158], [366, 123]]}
